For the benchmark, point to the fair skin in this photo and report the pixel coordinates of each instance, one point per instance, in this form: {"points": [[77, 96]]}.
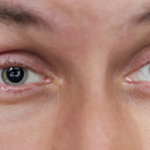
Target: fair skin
{"points": [[87, 52]]}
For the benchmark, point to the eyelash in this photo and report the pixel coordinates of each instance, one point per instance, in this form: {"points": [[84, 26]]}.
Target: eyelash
{"points": [[29, 90], [136, 65], [142, 87], [144, 64], [8, 63]]}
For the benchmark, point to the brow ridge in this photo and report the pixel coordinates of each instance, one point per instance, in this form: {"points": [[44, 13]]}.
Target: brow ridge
{"points": [[21, 17]]}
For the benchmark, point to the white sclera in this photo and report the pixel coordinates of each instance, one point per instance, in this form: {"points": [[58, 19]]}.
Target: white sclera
{"points": [[142, 74], [32, 77]]}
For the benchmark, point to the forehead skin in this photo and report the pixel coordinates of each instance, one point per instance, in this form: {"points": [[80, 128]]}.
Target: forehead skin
{"points": [[88, 38], [71, 20]]}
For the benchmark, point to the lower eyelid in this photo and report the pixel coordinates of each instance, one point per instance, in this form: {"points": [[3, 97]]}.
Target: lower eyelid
{"points": [[11, 94], [44, 78], [4, 88], [27, 92], [23, 87]]}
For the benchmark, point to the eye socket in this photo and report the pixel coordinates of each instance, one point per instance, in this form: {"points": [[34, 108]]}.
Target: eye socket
{"points": [[143, 74], [16, 76]]}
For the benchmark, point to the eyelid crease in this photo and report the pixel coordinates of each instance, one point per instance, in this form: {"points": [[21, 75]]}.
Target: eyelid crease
{"points": [[33, 62], [25, 60], [15, 63], [140, 60]]}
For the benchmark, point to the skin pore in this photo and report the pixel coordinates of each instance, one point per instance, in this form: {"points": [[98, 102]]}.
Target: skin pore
{"points": [[87, 51]]}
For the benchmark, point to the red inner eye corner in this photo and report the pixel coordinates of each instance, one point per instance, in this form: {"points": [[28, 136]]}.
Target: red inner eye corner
{"points": [[130, 79]]}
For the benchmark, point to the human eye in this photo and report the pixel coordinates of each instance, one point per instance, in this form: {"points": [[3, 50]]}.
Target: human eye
{"points": [[143, 74], [16, 76], [138, 70], [22, 76]]}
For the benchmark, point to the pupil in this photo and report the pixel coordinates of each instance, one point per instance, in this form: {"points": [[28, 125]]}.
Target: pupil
{"points": [[15, 74]]}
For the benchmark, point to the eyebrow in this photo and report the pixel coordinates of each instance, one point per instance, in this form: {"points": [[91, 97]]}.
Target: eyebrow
{"points": [[18, 16]]}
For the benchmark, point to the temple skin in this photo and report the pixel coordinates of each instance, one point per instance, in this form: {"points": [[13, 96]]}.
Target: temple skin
{"points": [[88, 45]]}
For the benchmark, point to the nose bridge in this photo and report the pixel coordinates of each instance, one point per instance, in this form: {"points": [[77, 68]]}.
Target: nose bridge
{"points": [[104, 123], [100, 122], [94, 119], [98, 126]]}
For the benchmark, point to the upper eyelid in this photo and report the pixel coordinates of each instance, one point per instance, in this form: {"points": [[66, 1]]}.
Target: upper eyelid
{"points": [[16, 64], [22, 59], [139, 67], [140, 60], [29, 61], [140, 75]]}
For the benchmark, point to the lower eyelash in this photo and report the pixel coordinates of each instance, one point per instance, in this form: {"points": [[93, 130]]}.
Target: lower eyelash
{"points": [[16, 89], [10, 94]]}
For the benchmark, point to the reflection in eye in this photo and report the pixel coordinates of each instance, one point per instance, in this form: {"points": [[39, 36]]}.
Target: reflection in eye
{"points": [[142, 74], [17, 76]]}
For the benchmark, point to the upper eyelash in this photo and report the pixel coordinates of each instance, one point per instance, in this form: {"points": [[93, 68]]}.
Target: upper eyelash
{"points": [[137, 68], [15, 63], [32, 63], [144, 64]]}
